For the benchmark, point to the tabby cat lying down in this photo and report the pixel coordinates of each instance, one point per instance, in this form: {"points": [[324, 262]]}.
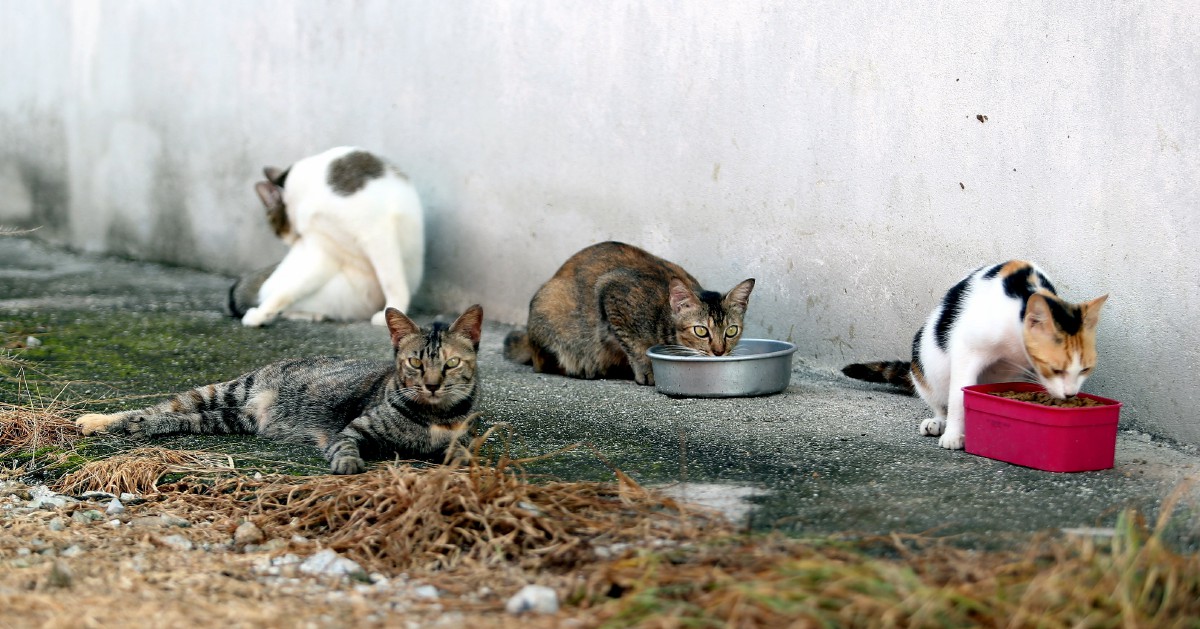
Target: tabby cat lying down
{"points": [[418, 403]]}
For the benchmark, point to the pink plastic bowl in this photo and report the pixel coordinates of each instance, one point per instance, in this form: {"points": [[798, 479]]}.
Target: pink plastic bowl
{"points": [[1049, 438]]}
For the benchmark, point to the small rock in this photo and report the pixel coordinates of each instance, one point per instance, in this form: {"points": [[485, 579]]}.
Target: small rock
{"points": [[71, 551], [247, 533], [160, 520], [611, 551], [277, 543], [178, 542], [33, 341], [114, 507], [426, 591], [538, 599], [114, 523], [286, 560], [329, 563], [57, 524], [42, 497], [90, 515], [60, 575], [131, 499], [96, 496]]}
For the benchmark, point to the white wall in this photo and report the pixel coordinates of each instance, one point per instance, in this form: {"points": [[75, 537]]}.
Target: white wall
{"points": [[829, 149]]}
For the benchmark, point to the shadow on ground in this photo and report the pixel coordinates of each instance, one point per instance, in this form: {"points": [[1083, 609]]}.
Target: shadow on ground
{"points": [[827, 456]]}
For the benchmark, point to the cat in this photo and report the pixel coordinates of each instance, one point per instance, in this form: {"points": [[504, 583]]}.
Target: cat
{"points": [[355, 230], [999, 324], [420, 402], [610, 302]]}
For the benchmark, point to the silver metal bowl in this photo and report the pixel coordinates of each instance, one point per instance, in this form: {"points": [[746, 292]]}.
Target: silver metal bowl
{"points": [[757, 367]]}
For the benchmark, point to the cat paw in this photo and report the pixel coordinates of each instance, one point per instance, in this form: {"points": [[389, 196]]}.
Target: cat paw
{"points": [[93, 423], [256, 318], [348, 465], [646, 379], [379, 318], [113, 424], [951, 441], [932, 427]]}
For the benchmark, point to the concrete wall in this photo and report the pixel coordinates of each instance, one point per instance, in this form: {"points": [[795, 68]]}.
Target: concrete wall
{"points": [[832, 150]]}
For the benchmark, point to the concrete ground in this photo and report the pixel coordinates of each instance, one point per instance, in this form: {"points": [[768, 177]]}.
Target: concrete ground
{"points": [[829, 455]]}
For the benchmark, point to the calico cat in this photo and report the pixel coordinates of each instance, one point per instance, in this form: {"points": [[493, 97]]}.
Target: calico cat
{"points": [[999, 324], [418, 403], [355, 228], [611, 302]]}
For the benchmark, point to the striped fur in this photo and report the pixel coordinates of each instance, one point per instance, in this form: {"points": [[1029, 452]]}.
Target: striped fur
{"points": [[893, 372], [610, 302], [420, 403], [1000, 323]]}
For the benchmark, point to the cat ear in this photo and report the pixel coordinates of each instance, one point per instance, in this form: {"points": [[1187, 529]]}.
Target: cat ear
{"points": [[270, 194], [399, 325], [738, 298], [470, 324], [1091, 312], [273, 174], [682, 297], [1037, 315]]}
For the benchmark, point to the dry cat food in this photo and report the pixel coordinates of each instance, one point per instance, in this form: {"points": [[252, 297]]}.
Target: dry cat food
{"points": [[1043, 398]]}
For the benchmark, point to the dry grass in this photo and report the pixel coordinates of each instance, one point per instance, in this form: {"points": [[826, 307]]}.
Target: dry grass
{"points": [[139, 471], [472, 526], [398, 518], [617, 554], [37, 422], [1131, 580]]}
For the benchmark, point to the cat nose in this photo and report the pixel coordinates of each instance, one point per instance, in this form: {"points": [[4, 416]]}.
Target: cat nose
{"points": [[432, 386]]}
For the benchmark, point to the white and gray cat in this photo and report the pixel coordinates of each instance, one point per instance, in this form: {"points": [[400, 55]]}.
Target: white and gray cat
{"points": [[355, 228]]}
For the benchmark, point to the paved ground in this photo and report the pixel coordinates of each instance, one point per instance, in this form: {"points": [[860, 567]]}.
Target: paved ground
{"points": [[829, 455]]}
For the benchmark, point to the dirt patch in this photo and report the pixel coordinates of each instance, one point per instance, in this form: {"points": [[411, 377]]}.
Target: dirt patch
{"points": [[448, 546]]}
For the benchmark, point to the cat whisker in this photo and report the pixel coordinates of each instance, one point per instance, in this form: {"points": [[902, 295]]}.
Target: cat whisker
{"points": [[1024, 371], [682, 350], [739, 351]]}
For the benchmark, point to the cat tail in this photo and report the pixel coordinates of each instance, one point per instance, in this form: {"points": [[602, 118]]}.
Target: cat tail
{"points": [[894, 372], [517, 347], [243, 294]]}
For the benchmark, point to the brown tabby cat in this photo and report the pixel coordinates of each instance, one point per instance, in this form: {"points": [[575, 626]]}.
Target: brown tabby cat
{"points": [[611, 302], [418, 403]]}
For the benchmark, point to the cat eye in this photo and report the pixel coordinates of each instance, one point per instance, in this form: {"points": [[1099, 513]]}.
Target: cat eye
{"points": [[415, 363], [700, 331], [453, 362], [1059, 372], [732, 331]]}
